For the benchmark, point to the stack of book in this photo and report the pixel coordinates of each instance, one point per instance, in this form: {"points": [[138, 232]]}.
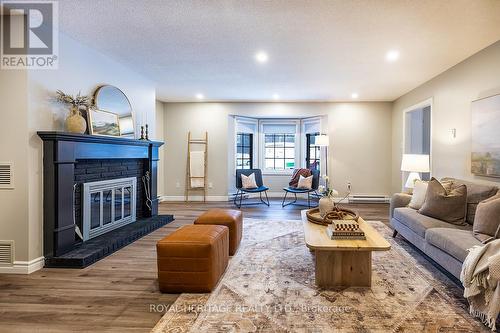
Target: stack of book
{"points": [[344, 229]]}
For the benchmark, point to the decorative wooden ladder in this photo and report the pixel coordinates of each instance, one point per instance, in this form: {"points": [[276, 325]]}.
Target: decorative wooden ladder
{"points": [[188, 187]]}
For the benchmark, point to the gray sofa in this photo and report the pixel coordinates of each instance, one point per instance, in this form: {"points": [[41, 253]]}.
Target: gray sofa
{"points": [[443, 242]]}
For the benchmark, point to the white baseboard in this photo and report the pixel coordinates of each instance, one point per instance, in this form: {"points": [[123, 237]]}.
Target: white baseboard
{"points": [[23, 267], [193, 198]]}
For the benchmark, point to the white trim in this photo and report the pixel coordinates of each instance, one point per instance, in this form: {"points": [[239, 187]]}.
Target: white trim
{"points": [[422, 104], [24, 267], [170, 198]]}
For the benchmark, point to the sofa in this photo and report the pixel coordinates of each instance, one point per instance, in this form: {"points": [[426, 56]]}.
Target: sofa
{"points": [[443, 242]]}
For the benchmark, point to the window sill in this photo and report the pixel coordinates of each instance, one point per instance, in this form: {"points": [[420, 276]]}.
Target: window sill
{"points": [[271, 173]]}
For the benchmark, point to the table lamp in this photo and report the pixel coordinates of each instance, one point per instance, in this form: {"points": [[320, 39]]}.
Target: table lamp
{"points": [[414, 163]]}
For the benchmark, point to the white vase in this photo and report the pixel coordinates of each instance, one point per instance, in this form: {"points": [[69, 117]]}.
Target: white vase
{"points": [[326, 205]]}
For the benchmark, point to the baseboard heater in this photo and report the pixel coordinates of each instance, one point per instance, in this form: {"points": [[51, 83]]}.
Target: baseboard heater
{"points": [[360, 198]]}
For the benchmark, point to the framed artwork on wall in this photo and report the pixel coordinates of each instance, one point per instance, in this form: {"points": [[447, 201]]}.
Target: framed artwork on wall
{"points": [[485, 157], [103, 122]]}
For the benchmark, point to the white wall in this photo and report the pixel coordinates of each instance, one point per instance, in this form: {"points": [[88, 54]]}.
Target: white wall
{"points": [[452, 93], [360, 135], [81, 68]]}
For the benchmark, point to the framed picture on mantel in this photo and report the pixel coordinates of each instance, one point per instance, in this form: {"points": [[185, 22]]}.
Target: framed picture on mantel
{"points": [[485, 158], [103, 122]]}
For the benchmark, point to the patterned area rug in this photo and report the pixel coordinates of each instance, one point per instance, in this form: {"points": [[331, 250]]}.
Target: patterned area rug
{"points": [[269, 287]]}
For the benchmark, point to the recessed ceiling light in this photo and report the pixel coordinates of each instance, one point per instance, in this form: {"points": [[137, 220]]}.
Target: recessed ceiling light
{"points": [[392, 55], [261, 57], [200, 96], [354, 95], [276, 97]]}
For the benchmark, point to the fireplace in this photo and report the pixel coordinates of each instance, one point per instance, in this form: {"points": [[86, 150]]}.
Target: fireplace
{"points": [[95, 200], [108, 205]]}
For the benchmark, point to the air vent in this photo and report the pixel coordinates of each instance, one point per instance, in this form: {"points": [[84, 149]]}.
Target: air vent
{"points": [[6, 257], [6, 175]]}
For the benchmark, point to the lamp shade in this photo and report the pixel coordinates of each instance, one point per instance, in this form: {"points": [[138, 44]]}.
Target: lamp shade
{"points": [[322, 140], [415, 163]]}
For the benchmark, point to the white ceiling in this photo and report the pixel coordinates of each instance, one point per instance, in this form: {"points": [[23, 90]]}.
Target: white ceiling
{"points": [[318, 50]]}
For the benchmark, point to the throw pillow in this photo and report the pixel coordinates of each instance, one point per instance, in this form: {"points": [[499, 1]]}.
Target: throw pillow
{"points": [[443, 204], [418, 197], [294, 182], [248, 182], [305, 183], [487, 220]]}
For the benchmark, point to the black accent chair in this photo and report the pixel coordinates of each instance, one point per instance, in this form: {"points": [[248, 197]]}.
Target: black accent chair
{"points": [[295, 191], [259, 189]]}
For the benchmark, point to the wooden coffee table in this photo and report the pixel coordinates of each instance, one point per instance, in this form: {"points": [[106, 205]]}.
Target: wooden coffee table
{"points": [[343, 262]]}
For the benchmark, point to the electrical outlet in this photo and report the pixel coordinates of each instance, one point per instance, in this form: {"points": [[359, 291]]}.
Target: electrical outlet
{"points": [[210, 185], [178, 185], [349, 186]]}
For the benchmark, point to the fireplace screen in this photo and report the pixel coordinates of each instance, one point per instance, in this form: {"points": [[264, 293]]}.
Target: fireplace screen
{"points": [[108, 205]]}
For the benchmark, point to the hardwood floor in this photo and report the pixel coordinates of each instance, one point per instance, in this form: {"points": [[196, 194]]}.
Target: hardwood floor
{"points": [[116, 293]]}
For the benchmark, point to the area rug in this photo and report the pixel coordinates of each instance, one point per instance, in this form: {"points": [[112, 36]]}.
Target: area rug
{"points": [[269, 287]]}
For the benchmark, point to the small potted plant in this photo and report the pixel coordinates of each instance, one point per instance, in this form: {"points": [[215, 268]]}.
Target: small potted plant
{"points": [[326, 203], [75, 123]]}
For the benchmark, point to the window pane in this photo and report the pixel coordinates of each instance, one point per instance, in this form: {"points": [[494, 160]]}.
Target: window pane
{"points": [[239, 163], [290, 152], [269, 163], [289, 164], [246, 139], [279, 164], [290, 141], [312, 139], [269, 139], [280, 152], [246, 152], [238, 140], [246, 164], [279, 139], [269, 153]]}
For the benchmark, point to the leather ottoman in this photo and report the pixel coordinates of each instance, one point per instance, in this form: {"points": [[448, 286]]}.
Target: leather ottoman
{"points": [[231, 218], [192, 259]]}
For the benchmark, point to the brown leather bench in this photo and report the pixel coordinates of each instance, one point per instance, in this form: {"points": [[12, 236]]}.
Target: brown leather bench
{"points": [[193, 258], [231, 218]]}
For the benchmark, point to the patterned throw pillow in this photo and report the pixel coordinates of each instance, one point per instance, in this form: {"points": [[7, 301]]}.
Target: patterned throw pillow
{"points": [[305, 183], [294, 182], [248, 182]]}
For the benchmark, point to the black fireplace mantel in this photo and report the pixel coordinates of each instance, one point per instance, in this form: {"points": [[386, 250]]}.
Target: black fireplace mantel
{"points": [[61, 151]]}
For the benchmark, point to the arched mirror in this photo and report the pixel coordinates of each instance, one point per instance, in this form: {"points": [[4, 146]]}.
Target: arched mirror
{"points": [[111, 99]]}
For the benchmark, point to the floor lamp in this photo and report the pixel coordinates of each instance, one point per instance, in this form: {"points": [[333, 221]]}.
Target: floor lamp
{"points": [[323, 140]]}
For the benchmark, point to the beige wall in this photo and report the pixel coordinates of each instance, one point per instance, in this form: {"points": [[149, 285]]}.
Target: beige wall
{"points": [[81, 68], [14, 149], [360, 135], [452, 93]]}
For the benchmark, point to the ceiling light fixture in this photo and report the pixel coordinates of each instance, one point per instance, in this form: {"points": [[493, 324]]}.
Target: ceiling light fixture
{"points": [[276, 97], [199, 96], [261, 57], [392, 55], [354, 95]]}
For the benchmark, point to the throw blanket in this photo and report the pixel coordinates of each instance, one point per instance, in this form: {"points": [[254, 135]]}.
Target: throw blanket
{"points": [[481, 278], [197, 168], [296, 175]]}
